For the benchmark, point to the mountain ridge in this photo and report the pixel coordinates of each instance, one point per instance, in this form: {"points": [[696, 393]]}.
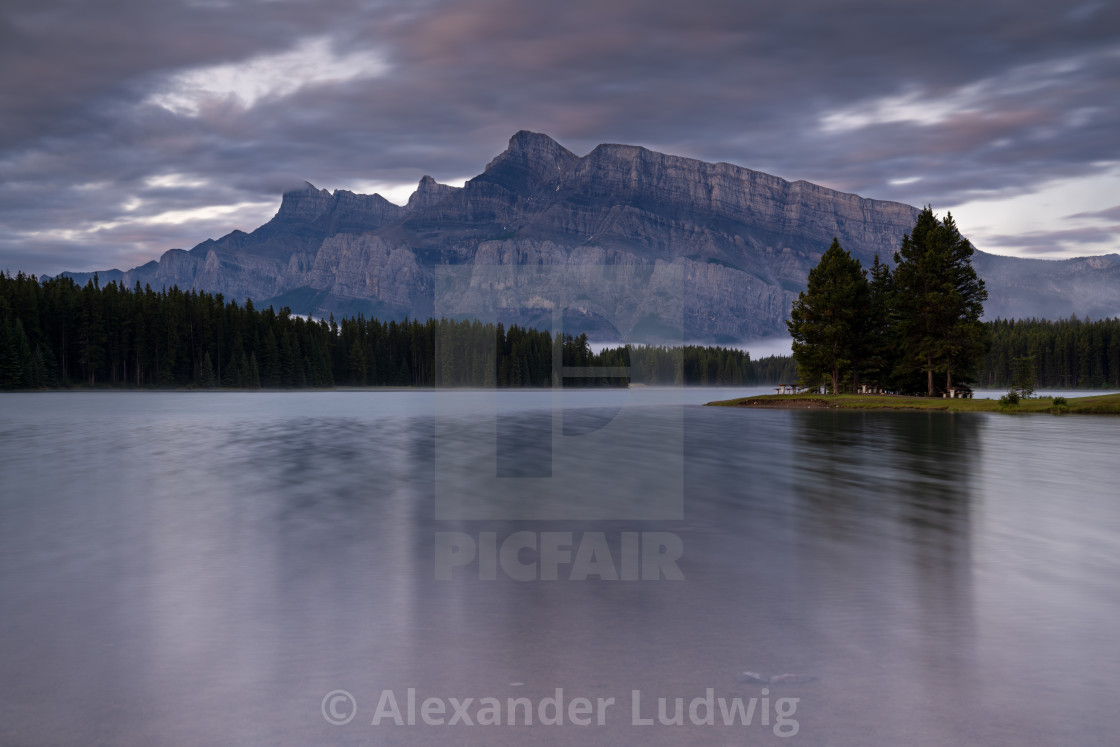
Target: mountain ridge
{"points": [[741, 240]]}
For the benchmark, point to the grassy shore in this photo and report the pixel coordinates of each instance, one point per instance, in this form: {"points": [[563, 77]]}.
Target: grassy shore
{"points": [[1100, 404]]}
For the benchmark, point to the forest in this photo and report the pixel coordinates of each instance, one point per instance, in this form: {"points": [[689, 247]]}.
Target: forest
{"points": [[55, 333], [1065, 354]]}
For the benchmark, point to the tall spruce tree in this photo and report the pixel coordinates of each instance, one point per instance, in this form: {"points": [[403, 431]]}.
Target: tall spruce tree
{"points": [[879, 341], [206, 376], [828, 319], [939, 299]]}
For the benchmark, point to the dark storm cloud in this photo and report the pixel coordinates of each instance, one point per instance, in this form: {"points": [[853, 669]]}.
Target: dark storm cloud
{"points": [[920, 102]]}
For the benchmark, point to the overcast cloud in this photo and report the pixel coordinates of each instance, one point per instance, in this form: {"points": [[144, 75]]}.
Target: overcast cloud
{"points": [[128, 127]]}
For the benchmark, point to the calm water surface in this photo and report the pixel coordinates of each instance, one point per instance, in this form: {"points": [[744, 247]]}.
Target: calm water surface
{"points": [[203, 568]]}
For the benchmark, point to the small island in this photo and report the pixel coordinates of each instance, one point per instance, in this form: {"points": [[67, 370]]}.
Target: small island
{"points": [[903, 338], [1108, 404]]}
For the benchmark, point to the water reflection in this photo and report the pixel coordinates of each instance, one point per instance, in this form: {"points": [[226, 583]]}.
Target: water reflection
{"points": [[915, 467], [204, 569], [884, 508]]}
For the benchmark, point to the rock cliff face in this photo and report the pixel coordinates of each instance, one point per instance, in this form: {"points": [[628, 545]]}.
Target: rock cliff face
{"points": [[705, 251]]}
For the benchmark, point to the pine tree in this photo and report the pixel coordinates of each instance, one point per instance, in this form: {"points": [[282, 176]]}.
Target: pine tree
{"points": [[828, 319], [247, 375], [254, 378], [37, 370], [232, 377], [206, 373], [358, 364], [879, 338], [1023, 382], [270, 370], [404, 377], [940, 300]]}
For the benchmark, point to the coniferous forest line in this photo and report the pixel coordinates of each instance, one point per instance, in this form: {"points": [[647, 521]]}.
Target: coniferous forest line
{"points": [[58, 334], [55, 333], [1064, 354]]}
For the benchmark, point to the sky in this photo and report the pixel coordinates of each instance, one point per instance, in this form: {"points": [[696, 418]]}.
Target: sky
{"points": [[129, 127]]}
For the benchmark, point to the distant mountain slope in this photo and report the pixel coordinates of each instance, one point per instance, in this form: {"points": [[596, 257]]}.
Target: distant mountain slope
{"points": [[1050, 288], [741, 243]]}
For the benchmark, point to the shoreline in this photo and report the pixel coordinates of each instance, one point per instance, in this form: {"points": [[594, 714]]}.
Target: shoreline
{"points": [[1105, 404]]}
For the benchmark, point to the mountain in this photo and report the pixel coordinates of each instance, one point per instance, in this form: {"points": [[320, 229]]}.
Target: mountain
{"points": [[699, 251]]}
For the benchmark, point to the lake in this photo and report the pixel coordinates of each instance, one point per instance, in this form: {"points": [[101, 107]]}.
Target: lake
{"points": [[284, 568]]}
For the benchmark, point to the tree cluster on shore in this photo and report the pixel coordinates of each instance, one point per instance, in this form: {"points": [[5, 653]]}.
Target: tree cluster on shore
{"points": [[55, 333], [911, 329]]}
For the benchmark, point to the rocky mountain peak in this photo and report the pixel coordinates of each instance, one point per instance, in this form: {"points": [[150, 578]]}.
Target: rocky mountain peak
{"points": [[429, 192], [305, 203], [528, 142], [531, 160]]}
